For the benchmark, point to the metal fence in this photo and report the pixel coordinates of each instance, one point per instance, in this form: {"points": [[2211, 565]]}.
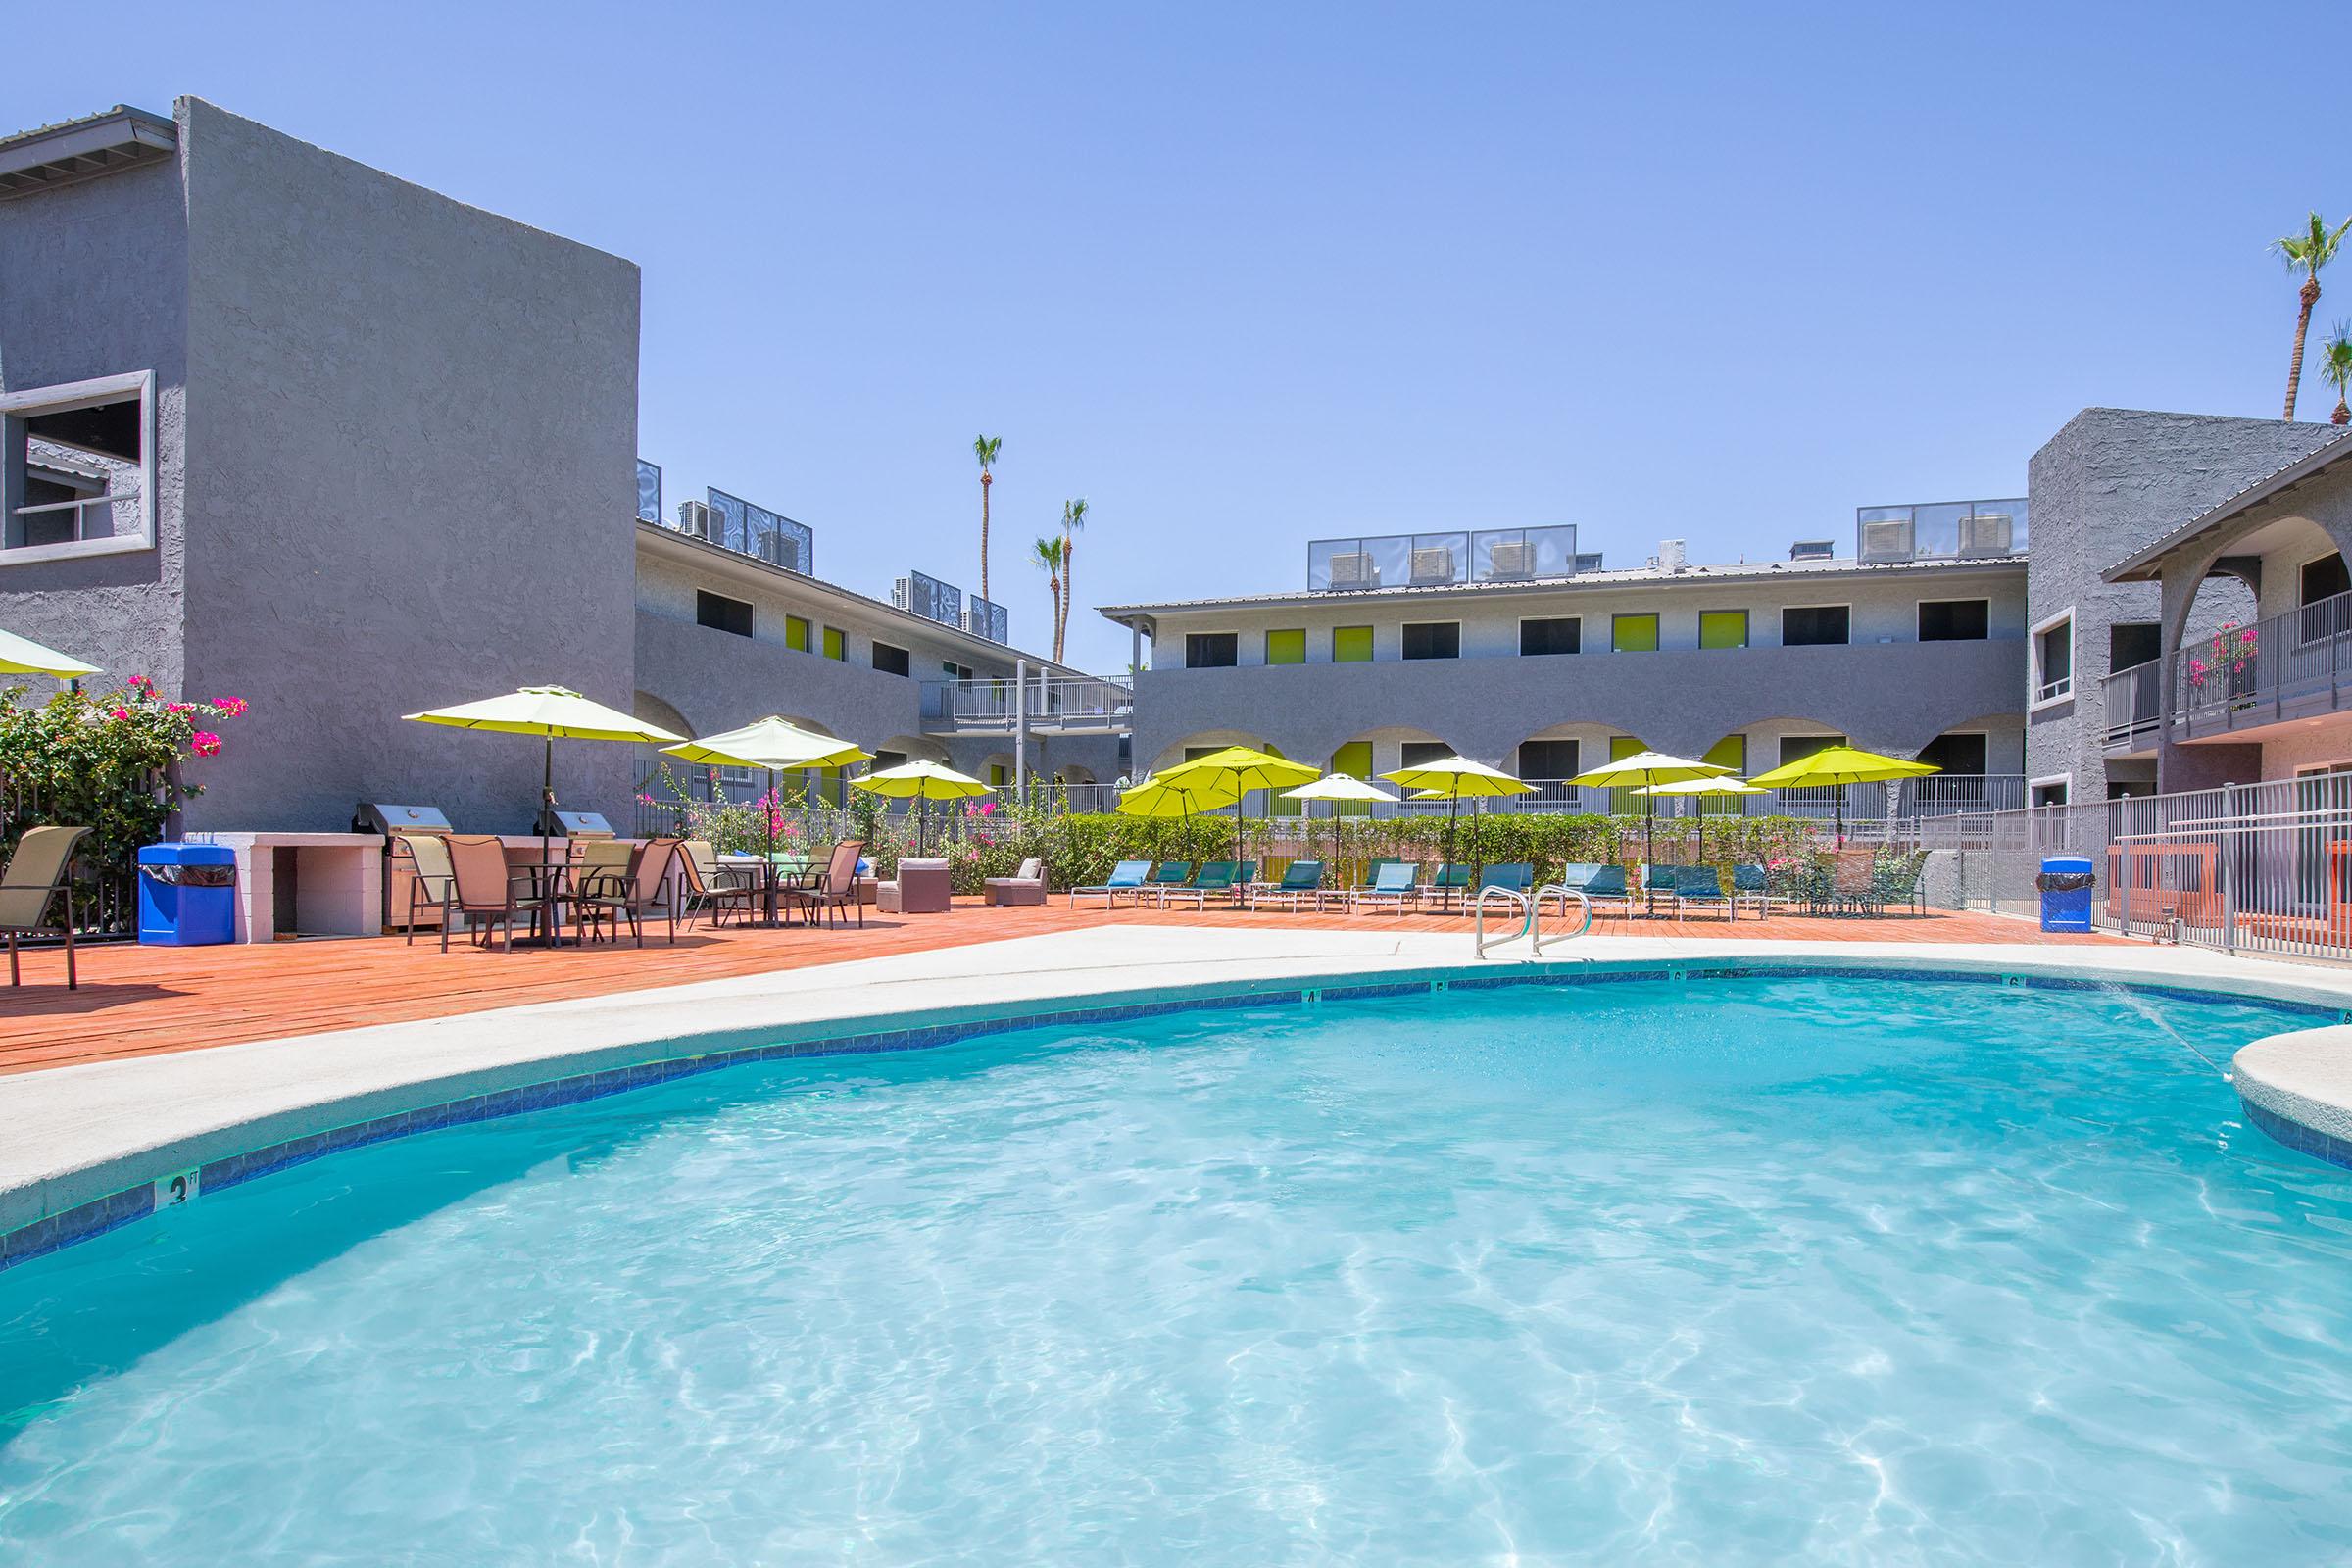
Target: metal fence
{"points": [[1048, 704], [2283, 666], [2262, 869], [104, 879]]}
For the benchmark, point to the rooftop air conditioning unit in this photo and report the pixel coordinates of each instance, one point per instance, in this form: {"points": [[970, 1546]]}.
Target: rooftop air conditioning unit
{"points": [[1587, 561], [1516, 560], [1813, 550], [1988, 533], [1891, 540], [1673, 554], [901, 590], [1432, 566], [1355, 568], [696, 518]]}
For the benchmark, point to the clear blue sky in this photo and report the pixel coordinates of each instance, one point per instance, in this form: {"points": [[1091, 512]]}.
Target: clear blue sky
{"points": [[1244, 275]]}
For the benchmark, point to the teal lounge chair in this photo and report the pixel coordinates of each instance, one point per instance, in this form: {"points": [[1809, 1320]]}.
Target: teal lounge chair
{"points": [[1301, 886], [1125, 877], [1751, 885], [1398, 884], [1168, 875], [1701, 887], [1215, 877], [1602, 884]]}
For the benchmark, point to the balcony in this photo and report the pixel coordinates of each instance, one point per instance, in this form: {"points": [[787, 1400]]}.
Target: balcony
{"points": [[1942, 530], [1079, 705], [2133, 702], [1441, 559], [2288, 666]]}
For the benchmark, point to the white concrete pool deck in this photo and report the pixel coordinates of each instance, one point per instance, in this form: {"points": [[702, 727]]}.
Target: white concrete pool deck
{"points": [[76, 1133]]}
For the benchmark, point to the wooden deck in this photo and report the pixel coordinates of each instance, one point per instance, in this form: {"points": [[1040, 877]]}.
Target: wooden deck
{"points": [[139, 1000]]}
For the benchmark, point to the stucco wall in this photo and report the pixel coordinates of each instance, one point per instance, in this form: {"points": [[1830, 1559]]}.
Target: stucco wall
{"points": [[1896, 697], [93, 282], [2106, 485], [413, 430]]}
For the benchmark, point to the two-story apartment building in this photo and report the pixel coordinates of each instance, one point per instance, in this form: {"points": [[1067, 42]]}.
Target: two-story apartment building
{"points": [[277, 426], [1508, 647]]}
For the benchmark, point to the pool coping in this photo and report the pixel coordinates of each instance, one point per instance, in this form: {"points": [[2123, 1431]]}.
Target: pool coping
{"points": [[92, 1173]]}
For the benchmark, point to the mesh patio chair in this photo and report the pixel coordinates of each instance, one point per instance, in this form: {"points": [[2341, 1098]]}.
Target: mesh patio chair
{"points": [[1752, 884], [1302, 884], [426, 859], [713, 887], [39, 877], [1397, 885], [1215, 877], [1701, 887], [837, 889], [1128, 876], [489, 893], [643, 889]]}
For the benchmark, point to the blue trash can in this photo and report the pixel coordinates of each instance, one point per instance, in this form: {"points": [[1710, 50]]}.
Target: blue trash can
{"points": [[187, 895], [2065, 884]]}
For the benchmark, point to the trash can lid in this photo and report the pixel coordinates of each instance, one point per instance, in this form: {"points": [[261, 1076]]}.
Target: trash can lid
{"points": [[174, 852], [2066, 863]]}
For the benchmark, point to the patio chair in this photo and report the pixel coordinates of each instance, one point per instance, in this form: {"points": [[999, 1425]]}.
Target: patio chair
{"points": [[594, 861], [1398, 884], [1449, 885], [1168, 875], [1896, 882], [1025, 886], [1657, 882], [713, 887], [430, 882], [1602, 884], [1853, 881], [1215, 877], [1512, 876], [922, 887], [837, 889], [1128, 876], [489, 893], [1701, 887], [1752, 884], [38, 875], [1302, 884], [643, 889]]}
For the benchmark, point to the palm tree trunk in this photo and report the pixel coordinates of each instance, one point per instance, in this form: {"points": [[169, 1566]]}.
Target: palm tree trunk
{"points": [[984, 483], [1062, 613], [2342, 413], [2294, 365]]}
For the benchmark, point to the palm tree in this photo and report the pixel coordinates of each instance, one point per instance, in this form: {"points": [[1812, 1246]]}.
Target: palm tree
{"points": [[1073, 520], [985, 448], [1045, 555], [2336, 364], [2309, 250]]}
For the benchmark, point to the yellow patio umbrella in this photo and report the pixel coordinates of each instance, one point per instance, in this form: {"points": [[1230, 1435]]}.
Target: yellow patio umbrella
{"points": [[920, 781], [776, 745], [552, 713], [1164, 795], [1240, 770], [1835, 766], [22, 656], [1456, 779], [1645, 768]]}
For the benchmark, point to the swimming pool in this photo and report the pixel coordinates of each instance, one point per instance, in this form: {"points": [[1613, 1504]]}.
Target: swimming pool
{"points": [[1757, 1269]]}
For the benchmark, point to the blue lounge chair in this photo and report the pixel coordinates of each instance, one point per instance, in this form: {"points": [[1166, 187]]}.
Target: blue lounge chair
{"points": [[1701, 887], [1215, 877], [1125, 877], [1600, 884], [1168, 875], [1751, 885], [1398, 884]]}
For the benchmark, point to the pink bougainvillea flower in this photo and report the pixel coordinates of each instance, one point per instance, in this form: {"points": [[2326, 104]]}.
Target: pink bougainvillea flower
{"points": [[122, 712], [179, 707], [204, 743], [233, 707]]}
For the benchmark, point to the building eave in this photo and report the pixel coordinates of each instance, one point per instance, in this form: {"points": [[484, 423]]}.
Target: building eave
{"points": [[72, 150], [2147, 565]]}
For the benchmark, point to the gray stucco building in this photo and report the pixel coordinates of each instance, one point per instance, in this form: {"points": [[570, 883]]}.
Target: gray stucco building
{"points": [[283, 427]]}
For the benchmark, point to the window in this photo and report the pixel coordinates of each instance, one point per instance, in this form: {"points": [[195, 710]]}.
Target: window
{"points": [[2047, 792], [1559, 634], [1730, 752], [1961, 755], [1286, 648], [1420, 754], [2054, 660], [837, 646], [885, 760], [2134, 641], [1351, 645], [1624, 803], [891, 661], [1355, 760], [77, 469], [1433, 639], [2325, 577], [1634, 634], [1211, 649], [1796, 747], [796, 632], [996, 776], [1548, 760], [721, 613], [1813, 625], [1955, 620], [2322, 609], [949, 669], [1723, 628]]}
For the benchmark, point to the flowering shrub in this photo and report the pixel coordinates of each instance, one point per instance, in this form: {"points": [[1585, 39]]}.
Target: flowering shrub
{"points": [[111, 764]]}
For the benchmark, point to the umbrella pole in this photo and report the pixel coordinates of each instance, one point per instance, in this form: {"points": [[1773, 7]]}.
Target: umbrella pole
{"points": [[547, 812]]}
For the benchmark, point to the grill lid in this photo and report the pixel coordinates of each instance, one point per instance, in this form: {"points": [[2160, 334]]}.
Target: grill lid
{"points": [[381, 816]]}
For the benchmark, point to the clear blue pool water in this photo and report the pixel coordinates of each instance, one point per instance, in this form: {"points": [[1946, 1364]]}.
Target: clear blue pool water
{"points": [[1734, 1271]]}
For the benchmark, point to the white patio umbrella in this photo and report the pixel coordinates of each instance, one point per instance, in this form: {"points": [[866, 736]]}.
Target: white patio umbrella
{"points": [[776, 745], [1337, 788], [22, 656]]}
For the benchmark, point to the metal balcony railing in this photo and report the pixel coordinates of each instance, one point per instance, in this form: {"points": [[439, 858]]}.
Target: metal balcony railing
{"points": [[1441, 559], [998, 707], [1942, 530], [62, 522], [2291, 666], [2134, 699]]}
